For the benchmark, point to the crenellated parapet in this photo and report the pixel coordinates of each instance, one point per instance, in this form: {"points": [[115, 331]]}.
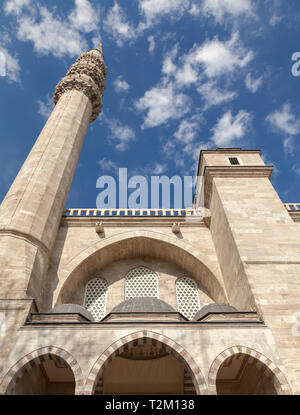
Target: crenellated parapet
{"points": [[87, 75]]}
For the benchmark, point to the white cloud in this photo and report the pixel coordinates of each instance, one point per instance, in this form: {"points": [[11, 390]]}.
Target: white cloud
{"points": [[276, 8], [15, 6], [121, 135], [163, 103], [53, 34], [189, 128], [152, 11], [155, 9], [84, 17], [169, 67], [168, 100], [11, 67], [151, 41], [45, 107], [195, 9], [221, 9], [274, 20], [186, 75], [218, 58], [212, 95], [158, 168], [230, 129], [289, 146], [121, 29], [284, 120], [117, 25], [253, 84], [150, 169], [121, 85], [184, 155], [108, 166], [296, 168], [213, 58]]}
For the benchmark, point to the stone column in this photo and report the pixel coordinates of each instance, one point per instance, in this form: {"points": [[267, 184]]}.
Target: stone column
{"points": [[257, 244], [31, 211]]}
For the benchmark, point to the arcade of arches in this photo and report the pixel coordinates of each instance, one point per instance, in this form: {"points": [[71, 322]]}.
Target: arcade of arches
{"points": [[144, 366]]}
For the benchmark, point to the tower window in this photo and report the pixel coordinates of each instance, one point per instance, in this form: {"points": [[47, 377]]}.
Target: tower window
{"points": [[95, 298], [141, 282], [187, 296], [234, 161]]}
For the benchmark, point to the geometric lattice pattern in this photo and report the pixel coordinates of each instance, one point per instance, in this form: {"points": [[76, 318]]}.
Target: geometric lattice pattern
{"points": [[95, 298], [141, 282], [187, 297]]}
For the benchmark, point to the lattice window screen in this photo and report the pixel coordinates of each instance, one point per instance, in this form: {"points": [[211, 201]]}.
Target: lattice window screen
{"points": [[141, 282], [187, 296], [95, 298]]}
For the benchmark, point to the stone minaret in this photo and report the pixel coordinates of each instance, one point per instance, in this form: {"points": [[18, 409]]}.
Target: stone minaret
{"points": [[31, 211]]}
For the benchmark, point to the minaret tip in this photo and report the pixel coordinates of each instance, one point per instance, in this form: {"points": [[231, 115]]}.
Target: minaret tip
{"points": [[99, 48]]}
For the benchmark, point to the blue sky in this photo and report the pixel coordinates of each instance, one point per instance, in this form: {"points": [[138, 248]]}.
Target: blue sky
{"points": [[182, 75]]}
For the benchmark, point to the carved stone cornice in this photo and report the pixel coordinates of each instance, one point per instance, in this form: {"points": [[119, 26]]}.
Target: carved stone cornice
{"points": [[119, 221], [87, 75], [210, 172]]}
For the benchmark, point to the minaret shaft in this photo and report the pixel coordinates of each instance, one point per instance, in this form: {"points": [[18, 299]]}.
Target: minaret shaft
{"points": [[31, 212], [34, 203]]}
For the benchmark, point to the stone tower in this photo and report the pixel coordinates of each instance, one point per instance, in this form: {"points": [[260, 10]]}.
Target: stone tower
{"points": [[31, 211]]}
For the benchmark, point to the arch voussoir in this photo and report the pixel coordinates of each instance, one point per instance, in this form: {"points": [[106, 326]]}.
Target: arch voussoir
{"points": [[280, 381], [32, 359], [171, 346], [206, 272]]}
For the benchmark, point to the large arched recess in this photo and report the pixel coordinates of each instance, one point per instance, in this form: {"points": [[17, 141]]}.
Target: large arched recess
{"points": [[134, 244], [173, 348]]}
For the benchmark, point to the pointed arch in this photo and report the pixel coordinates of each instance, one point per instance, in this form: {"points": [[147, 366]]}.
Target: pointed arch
{"points": [[34, 358], [141, 243], [172, 347], [281, 384]]}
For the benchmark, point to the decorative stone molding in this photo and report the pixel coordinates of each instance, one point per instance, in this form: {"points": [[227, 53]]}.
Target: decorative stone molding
{"points": [[280, 382], [87, 75], [171, 347], [36, 357]]}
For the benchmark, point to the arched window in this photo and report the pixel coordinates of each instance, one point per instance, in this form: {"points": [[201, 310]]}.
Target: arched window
{"points": [[141, 282], [187, 296], [95, 298]]}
